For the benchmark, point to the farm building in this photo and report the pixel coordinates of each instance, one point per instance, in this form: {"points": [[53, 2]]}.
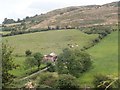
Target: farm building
{"points": [[50, 57]]}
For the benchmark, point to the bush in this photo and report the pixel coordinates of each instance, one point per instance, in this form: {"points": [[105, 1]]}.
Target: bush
{"points": [[52, 80], [67, 82], [105, 82], [73, 62], [47, 79], [96, 40], [38, 58], [28, 52], [52, 67], [29, 62]]}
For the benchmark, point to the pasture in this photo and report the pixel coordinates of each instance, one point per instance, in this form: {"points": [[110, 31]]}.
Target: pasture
{"points": [[45, 42], [50, 41], [105, 59], [104, 54]]}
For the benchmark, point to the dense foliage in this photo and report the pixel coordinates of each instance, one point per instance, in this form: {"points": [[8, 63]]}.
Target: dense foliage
{"points": [[73, 62], [30, 62], [7, 64], [62, 82], [47, 80], [8, 21], [38, 58], [67, 82]]}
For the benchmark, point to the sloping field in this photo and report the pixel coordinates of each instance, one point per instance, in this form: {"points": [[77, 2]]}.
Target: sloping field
{"points": [[105, 59], [50, 41], [45, 42]]}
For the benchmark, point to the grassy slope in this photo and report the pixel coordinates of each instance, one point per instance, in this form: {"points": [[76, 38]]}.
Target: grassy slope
{"points": [[22, 70], [105, 59], [50, 41], [45, 42]]}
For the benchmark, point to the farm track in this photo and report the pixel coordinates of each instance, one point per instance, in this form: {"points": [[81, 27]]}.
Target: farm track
{"points": [[35, 73]]}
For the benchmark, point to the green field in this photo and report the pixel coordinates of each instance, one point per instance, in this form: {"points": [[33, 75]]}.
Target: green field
{"points": [[50, 41], [45, 42], [104, 54], [105, 59]]}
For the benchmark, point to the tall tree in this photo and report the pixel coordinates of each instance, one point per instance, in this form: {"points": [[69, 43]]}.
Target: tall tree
{"points": [[7, 64]]}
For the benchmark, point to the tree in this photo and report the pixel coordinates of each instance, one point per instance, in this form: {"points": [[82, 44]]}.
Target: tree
{"points": [[67, 82], [73, 62], [30, 62], [7, 65], [8, 21], [18, 20], [28, 52], [52, 67], [27, 17], [38, 57]]}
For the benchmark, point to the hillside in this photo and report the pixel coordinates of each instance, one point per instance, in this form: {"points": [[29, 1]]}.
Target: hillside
{"points": [[45, 43], [73, 17], [77, 16], [92, 28], [104, 54], [105, 59], [50, 41]]}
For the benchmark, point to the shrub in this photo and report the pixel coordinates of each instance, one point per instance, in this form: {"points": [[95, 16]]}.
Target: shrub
{"points": [[38, 58], [96, 40], [62, 82], [29, 62], [28, 52], [47, 79], [105, 82], [52, 67], [67, 82]]}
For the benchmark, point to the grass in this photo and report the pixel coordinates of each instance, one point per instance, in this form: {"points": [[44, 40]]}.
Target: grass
{"points": [[44, 42], [104, 54], [105, 59], [22, 71], [50, 41]]}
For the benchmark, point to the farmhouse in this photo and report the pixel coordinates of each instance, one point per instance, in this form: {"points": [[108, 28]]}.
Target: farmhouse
{"points": [[50, 57]]}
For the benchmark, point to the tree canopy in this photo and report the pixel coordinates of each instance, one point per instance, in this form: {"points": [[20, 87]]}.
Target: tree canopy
{"points": [[7, 64], [73, 62]]}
